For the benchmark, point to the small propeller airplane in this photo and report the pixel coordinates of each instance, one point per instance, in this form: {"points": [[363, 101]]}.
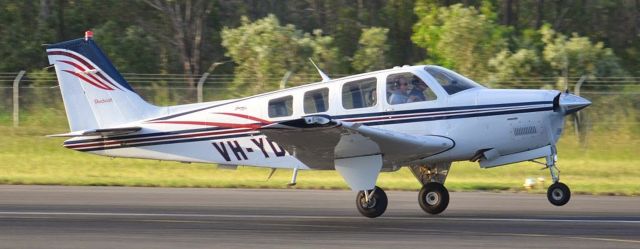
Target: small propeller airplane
{"points": [[420, 117]]}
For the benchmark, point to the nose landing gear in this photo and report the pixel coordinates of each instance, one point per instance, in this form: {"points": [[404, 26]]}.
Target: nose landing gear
{"points": [[558, 193]]}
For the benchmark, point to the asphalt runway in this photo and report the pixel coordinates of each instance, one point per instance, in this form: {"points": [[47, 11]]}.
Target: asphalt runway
{"points": [[122, 217]]}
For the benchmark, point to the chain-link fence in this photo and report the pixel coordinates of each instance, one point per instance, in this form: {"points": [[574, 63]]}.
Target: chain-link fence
{"points": [[616, 100]]}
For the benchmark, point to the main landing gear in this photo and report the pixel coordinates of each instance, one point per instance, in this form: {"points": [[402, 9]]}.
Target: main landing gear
{"points": [[433, 197], [372, 203], [558, 193]]}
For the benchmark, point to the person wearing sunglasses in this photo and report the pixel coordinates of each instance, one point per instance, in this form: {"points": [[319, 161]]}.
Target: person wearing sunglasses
{"points": [[400, 94]]}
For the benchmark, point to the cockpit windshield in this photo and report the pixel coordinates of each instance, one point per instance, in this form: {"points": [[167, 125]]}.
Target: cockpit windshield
{"points": [[451, 81]]}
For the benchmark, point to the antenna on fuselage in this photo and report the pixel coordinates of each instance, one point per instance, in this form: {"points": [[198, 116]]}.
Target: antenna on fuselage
{"points": [[325, 78]]}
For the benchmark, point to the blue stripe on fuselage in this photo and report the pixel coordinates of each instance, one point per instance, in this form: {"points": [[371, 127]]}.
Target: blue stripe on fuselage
{"points": [[349, 116], [457, 115]]}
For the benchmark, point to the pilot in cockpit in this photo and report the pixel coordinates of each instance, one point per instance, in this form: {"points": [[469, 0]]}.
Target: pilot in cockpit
{"points": [[417, 93], [400, 95]]}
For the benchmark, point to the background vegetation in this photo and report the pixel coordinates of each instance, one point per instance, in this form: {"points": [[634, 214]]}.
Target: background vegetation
{"points": [[534, 38], [164, 47]]}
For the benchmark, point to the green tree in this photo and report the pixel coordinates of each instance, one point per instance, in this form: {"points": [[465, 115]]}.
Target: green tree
{"points": [[506, 67], [398, 17], [577, 55], [458, 37], [129, 48], [21, 36], [552, 54], [372, 50], [264, 51], [323, 51]]}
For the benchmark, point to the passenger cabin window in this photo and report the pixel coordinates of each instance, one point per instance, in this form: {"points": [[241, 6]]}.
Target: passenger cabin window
{"points": [[450, 81], [359, 94], [281, 107], [405, 88], [316, 100]]}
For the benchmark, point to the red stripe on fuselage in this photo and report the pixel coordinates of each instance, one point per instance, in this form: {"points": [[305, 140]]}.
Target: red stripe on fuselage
{"points": [[245, 116], [112, 142]]}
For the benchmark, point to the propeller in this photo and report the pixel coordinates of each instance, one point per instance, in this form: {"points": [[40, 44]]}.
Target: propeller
{"points": [[572, 104], [577, 117]]}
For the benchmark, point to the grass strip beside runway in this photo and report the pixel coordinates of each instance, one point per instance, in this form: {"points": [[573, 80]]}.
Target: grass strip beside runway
{"points": [[607, 166]]}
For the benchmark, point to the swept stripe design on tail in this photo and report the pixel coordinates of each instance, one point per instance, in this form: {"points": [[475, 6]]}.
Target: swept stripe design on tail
{"points": [[94, 80], [95, 94], [101, 81]]}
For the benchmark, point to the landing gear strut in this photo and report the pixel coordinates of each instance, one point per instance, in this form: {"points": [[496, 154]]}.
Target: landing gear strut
{"points": [[433, 197], [372, 203], [558, 193]]}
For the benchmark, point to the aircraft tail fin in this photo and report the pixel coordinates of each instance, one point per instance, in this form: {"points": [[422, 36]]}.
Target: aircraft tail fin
{"points": [[95, 94]]}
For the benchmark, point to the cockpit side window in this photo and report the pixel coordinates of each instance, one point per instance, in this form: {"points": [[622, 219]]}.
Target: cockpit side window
{"points": [[407, 88], [450, 81]]}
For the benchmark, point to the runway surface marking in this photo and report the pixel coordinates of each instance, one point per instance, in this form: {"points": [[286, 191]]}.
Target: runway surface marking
{"points": [[182, 215], [105, 214], [514, 234]]}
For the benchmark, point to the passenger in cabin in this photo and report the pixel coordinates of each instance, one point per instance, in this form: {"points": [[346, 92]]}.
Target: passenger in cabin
{"points": [[417, 93], [400, 93], [371, 98]]}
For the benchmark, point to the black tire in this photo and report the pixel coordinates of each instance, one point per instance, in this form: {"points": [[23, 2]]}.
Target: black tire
{"points": [[558, 194], [433, 198], [376, 206]]}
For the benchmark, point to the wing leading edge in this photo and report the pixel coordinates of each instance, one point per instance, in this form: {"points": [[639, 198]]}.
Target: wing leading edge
{"points": [[100, 132]]}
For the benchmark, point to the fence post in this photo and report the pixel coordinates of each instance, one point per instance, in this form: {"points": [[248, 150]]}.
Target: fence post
{"points": [[578, 117], [576, 89], [285, 79], [16, 98], [201, 85]]}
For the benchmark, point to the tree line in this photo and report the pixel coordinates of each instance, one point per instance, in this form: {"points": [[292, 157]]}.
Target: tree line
{"points": [[495, 42]]}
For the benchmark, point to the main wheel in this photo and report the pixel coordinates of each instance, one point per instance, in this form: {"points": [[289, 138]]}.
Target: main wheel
{"points": [[376, 205], [433, 198], [558, 194]]}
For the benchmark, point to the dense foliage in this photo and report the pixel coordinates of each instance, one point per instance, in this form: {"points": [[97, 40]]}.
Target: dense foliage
{"points": [[492, 41]]}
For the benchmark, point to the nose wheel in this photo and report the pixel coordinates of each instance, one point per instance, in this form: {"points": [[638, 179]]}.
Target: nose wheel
{"points": [[558, 194], [433, 198], [372, 203]]}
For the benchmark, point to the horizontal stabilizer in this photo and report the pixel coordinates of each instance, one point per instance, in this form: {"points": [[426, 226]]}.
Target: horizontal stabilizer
{"points": [[99, 132]]}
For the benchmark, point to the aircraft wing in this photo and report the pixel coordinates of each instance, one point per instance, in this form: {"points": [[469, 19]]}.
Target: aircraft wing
{"points": [[99, 132], [321, 142]]}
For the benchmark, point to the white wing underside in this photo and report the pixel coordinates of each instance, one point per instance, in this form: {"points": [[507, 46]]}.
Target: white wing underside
{"points": [[357, 151]]}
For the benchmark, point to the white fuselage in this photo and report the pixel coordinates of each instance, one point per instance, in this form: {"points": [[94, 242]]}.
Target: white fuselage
{"points": [[227, 132]]}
